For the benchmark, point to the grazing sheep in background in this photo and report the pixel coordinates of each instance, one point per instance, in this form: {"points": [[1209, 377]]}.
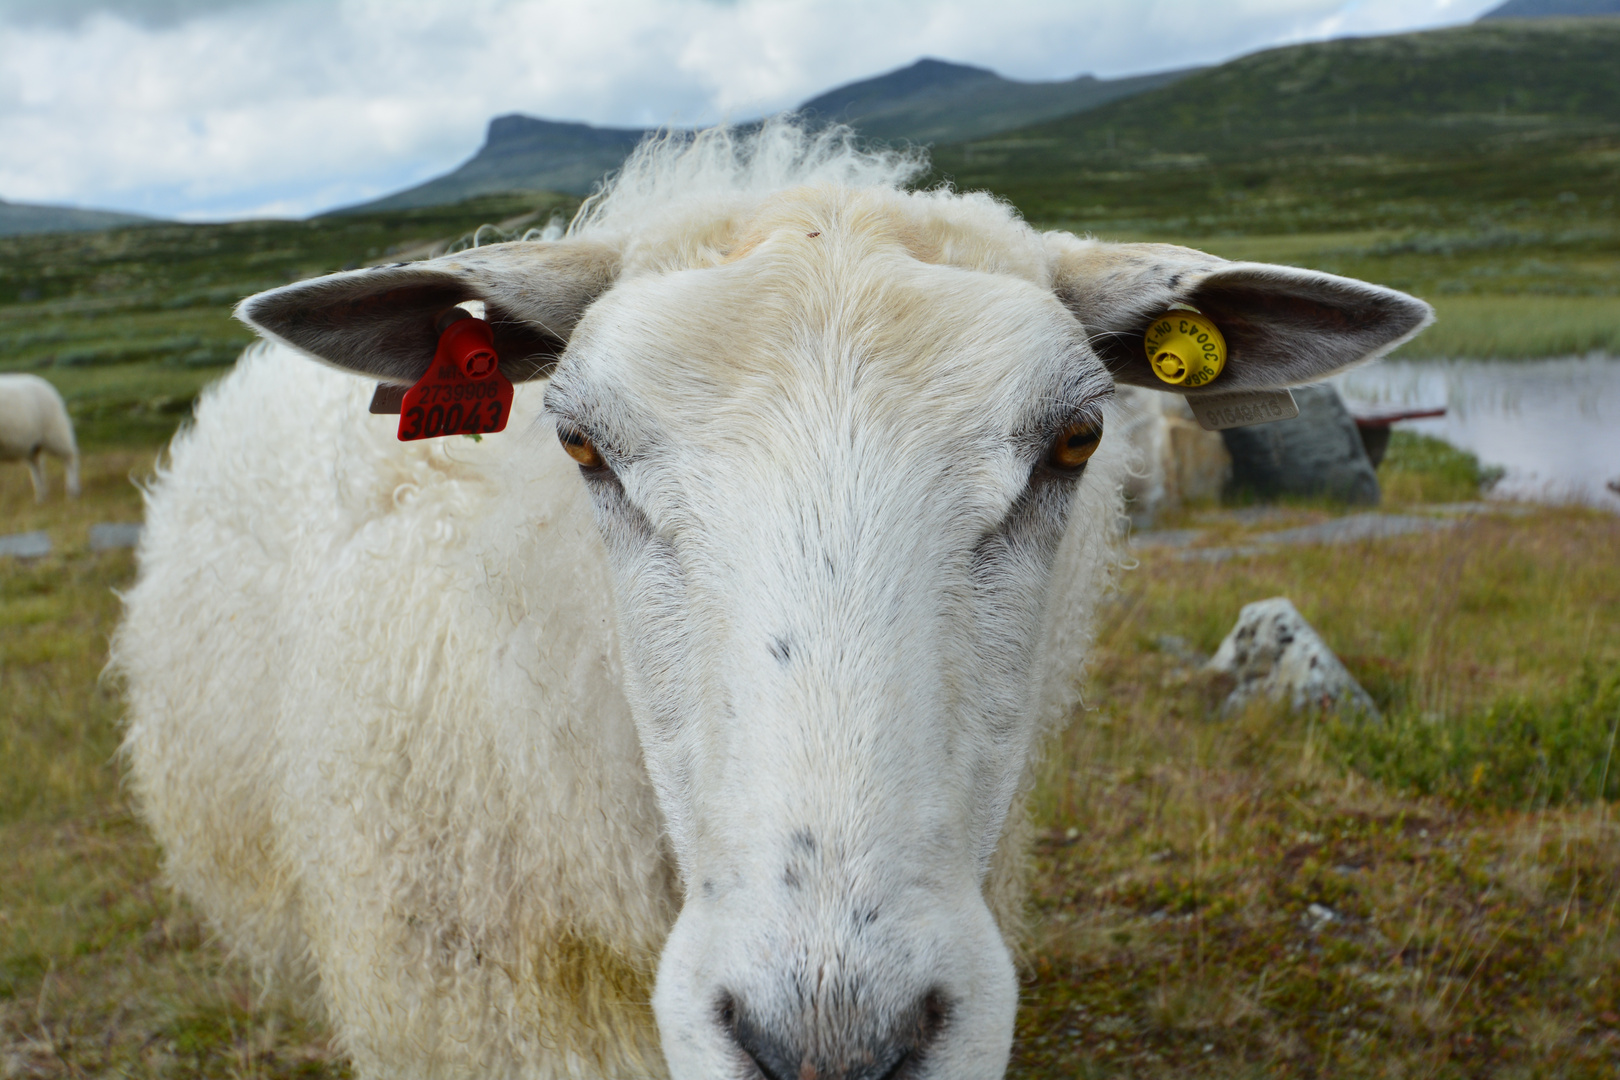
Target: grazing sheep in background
{"points": [[33, 421], [693, 746]]}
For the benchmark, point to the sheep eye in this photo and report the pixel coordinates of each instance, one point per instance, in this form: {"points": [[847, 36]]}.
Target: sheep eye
{"points": [[1074, 445], [579, 447]]}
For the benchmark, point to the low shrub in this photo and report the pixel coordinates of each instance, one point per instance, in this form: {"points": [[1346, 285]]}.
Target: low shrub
{"points": [[1417, 468], [1514, 753]]}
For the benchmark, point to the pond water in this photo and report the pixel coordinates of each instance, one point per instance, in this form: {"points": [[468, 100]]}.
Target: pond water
{"points": [[1553, 425]]}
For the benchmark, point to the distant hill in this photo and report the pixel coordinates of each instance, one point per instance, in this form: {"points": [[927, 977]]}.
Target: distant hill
{"points": [[1542, 9], [19, 218], [936, 101], [1498, 111], [522, 153], [1382, 94], [930, 101]]}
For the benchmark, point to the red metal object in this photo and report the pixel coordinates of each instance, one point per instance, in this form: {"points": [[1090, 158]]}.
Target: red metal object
{"points": [[462, 392], [1372, 420], [1374, 429]]}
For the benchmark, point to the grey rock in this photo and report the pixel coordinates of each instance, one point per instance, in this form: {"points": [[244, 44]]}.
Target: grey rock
{"points": [[1354, 527], [29, 545], [1318, 452], [1218, 554], [1341, 530], [1247, 515], [115, 536], [1318, 916], [1274, 653], [1469, 508], [1165, 538]]}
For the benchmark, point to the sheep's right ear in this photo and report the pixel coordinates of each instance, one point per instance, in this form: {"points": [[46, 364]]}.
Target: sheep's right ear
{"points": [[382, 321], [1283, 326]]}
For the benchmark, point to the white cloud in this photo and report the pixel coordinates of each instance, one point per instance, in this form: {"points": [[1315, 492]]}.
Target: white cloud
{"points": [[224, 108]]}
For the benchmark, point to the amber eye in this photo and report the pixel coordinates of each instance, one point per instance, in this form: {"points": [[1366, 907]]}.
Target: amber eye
{"points": [[1074, 445], [579, 447]]}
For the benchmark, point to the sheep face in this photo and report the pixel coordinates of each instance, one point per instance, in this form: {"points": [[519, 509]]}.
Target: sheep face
{"points": [[824, 474], [840, 458]]}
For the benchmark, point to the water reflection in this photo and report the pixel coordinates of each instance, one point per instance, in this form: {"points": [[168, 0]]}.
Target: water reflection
{"points": [[1554, 425]]}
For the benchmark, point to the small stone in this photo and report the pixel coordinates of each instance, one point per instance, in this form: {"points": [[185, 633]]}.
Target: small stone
{"points": [[1320, 914], [114, 536], [29, 545], [1273, 652]]}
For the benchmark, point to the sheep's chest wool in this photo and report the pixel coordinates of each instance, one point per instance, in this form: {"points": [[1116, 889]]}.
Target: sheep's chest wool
{"points": [[681, 728]]}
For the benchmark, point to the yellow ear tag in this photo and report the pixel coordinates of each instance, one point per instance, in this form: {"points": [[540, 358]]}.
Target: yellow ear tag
{"points": [[1184, 348]]}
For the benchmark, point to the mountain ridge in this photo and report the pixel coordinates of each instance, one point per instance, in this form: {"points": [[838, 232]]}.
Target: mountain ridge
{"points": [[927, 101], [1506, 112], [18, 219], [1545, 9]]}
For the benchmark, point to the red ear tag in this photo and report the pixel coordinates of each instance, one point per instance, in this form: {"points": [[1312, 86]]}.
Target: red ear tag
{"points": [[462, 392]]}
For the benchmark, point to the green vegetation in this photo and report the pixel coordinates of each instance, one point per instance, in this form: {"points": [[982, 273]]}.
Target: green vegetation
{"points": [[1520, 327], [1276, 895], [1418, 469], [1517, 752], [1465, 165], [1443, 132], [130, 323]]}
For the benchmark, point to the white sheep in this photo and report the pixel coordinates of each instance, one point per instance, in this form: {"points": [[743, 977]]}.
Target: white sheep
{"points": [[694, 746], [34, 422]]}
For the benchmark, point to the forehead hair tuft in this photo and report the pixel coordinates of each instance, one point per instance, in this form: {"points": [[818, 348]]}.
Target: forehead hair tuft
{"points": [[691, 199]]}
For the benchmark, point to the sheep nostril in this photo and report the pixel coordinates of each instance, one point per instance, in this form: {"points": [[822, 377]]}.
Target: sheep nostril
{"points": [[778, 1055]]}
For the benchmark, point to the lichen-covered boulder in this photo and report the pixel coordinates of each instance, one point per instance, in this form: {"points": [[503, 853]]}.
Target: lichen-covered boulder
{"points": [[1274, 653]]}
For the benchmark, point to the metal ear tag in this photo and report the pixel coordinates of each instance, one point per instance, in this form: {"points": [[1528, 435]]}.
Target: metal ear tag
{"points": [[1217, 412], [386, 399]]}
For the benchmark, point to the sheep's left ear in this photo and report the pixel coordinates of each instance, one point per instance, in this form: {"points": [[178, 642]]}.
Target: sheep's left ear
{"points": [[381, 322], [1282, 325]]}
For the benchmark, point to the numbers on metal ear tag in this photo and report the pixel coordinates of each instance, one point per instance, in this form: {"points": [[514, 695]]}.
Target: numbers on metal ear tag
{"points": [[463, 391], [1217, 412]]}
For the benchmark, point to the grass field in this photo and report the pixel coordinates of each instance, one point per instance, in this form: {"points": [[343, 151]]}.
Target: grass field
{"points": [[1262, 895]]}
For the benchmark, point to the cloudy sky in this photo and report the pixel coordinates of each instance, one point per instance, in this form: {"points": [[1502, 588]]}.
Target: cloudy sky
{"points": [[210, 109]]}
